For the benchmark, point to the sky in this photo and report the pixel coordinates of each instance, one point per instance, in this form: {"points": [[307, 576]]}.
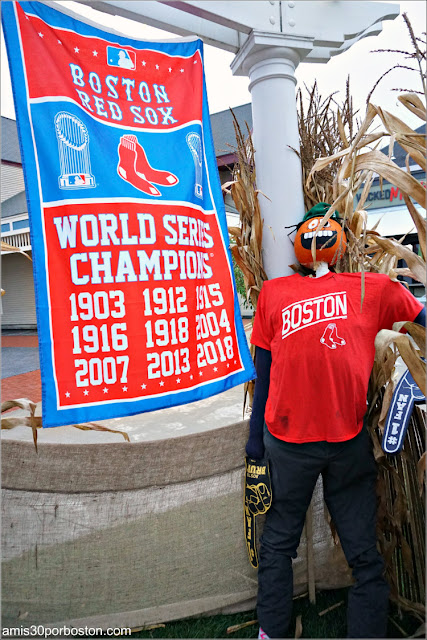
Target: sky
{"points": [[225, 90]]}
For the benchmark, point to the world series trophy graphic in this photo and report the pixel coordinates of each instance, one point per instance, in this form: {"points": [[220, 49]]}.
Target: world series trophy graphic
{"points": [[195, 145], [73, 146]]}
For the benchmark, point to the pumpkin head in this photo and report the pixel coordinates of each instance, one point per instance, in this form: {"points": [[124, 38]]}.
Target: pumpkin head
{"points": [[331, 241]]}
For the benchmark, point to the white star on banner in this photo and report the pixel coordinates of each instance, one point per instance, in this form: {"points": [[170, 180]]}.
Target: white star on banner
{"points": [[76, 49], [41, 34], [235, 362], [124, 388], [215, 368], [86, 392], [67, 394], [191, 377], [59, 42], [105, 390], [143, 386], [162, 383], [228, 364], [182, 70], [200, 373], [95, 53], [178, 380], [170, 69], [157, 66], [195, 62], [143, 63]]}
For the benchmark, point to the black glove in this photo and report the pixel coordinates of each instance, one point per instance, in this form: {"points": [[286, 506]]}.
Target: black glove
{"points": [[257, 501]]}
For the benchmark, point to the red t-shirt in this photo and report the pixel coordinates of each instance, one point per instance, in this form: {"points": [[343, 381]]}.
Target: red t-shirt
{"points": [[322, 349]]}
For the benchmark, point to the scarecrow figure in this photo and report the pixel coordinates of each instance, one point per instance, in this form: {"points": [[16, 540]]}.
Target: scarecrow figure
{"points": [[314, 354]]}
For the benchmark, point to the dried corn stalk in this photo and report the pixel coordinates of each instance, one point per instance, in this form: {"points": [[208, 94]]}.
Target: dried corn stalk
{"points": [[8, 247], [401, 491], [324, 132], [35, 422], [248, 237]]}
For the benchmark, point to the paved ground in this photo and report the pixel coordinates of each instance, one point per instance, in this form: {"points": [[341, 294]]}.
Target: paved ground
{"points": [[21, 379], [20, 367], [20, 340], [26, 385], [18, 360]]}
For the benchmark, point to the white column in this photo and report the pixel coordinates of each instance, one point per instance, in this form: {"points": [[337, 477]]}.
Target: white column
{"points": [[271, 71]]}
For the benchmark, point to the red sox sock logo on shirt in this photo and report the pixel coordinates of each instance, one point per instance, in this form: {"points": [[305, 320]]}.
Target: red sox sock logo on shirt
{"points": [[331, 338]]}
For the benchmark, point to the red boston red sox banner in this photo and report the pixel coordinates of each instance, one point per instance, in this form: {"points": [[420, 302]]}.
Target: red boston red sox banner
{"points": [[136, 302]]}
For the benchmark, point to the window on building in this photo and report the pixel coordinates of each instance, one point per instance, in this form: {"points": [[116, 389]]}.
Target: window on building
{"points": [[20, 224]]}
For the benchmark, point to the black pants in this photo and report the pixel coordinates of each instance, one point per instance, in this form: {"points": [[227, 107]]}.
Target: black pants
{"points": [[349, 476]]}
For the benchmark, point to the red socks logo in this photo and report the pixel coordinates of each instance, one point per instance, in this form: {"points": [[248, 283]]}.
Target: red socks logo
{"points": [[331, 338], [134, 168]]}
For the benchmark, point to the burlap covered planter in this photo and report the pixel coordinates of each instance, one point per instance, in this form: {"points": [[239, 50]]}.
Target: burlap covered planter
{"points": [[133, 534]]}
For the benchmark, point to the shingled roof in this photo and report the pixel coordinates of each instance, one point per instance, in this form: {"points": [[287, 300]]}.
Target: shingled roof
{"points": [[14, 205], [9, 141], [223, 131]]}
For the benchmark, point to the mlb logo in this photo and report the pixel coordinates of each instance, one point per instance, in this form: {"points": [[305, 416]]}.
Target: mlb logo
{"points": [[123, 58], [76, 181]]}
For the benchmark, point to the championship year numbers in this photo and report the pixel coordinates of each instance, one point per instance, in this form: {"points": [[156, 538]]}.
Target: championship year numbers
{"points": [[208, 296], [100, 305], [164, 332], [210, 352], [92, 339], [168, 363], [96, 371], [207, 324], [161, 301]]}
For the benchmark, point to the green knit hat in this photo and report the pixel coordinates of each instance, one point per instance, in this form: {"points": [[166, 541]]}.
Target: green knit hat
{"points": [[319, 210]]}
